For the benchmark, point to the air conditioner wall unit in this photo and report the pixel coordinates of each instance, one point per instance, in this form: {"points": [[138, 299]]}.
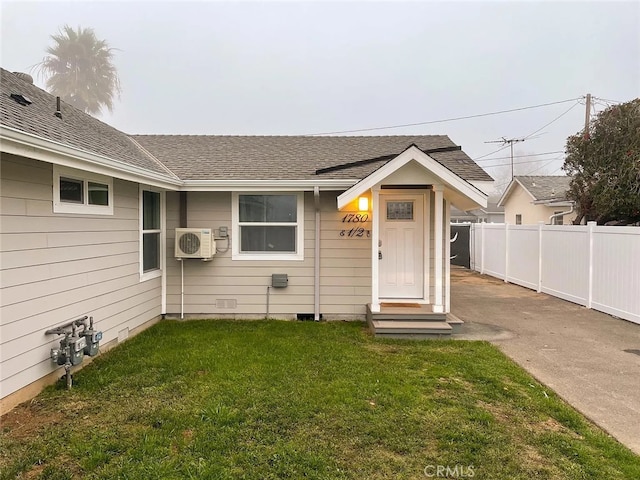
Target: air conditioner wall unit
{"points": [[195, 243]]}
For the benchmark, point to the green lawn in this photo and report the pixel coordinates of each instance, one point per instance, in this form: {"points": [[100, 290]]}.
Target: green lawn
{"points": [[273, 399]]}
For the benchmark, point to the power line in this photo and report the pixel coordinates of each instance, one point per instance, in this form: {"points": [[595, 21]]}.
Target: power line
{"points": [[527, 155], [608, 101], [430, 122], [507, 144], [491, 153], [542, 166], [530, 172], [521, 163], [554, 120]]}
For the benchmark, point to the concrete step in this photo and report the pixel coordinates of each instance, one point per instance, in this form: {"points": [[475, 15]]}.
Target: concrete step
{"points": [[455, 322], [422, 313], [413, 328]]}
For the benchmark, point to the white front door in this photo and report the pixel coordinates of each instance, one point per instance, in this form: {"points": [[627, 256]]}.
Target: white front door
{"points": [[401, 246]]}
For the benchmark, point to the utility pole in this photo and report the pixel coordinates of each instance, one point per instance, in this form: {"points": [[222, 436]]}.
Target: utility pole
{"points": [[510, 141], [587, 117]]}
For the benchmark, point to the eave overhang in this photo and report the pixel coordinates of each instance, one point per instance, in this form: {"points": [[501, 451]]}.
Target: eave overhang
{"points": [[17, 142], [266, 185], [24, 144]]}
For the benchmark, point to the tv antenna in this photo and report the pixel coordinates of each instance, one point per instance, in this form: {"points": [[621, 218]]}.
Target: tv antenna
{"points": [[510, 141]]}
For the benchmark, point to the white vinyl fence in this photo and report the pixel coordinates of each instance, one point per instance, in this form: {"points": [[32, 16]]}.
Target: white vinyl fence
{"points": [[594, 266]]}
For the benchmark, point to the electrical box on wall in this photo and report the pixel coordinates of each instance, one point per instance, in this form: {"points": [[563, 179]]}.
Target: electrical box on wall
{"points": [[279, 280]]}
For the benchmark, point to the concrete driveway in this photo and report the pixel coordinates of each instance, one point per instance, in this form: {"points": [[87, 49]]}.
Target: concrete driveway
{"points": [[590, 359]]}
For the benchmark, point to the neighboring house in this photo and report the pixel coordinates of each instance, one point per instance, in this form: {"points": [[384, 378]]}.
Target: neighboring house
{"points": [[89, 216], [492, 213], [534, 199]]}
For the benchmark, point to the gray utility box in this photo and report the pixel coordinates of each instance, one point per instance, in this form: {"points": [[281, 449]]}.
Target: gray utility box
{"points": [[279, 280]]}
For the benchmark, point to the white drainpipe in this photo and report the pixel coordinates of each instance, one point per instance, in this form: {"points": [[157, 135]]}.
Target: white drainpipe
{"points": [[561, 214], [316, 263]]}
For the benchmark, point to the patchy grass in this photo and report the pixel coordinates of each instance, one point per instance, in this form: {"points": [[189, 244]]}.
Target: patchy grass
{"points": [[270, 399]]}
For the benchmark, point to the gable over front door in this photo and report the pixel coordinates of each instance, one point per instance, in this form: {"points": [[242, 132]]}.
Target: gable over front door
{"points": [[401, 252]]}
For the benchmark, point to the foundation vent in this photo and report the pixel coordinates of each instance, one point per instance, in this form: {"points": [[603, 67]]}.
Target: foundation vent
{"points": [[226, 303]]}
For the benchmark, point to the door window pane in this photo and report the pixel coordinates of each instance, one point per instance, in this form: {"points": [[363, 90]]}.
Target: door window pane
{"points": [[399, 210]]}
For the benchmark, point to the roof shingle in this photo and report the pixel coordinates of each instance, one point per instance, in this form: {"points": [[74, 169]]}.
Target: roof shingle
{"points": [[74, 128], [217, 157], [545, 187]]}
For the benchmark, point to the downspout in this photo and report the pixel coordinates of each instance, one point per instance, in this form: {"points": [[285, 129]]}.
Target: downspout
{"points": [[316, 263], [561, 214]]}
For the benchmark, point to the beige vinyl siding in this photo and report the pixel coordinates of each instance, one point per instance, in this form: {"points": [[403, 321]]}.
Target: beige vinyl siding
{"points": [[345, 263], [520, 202], [58, 267], [345, 267]]}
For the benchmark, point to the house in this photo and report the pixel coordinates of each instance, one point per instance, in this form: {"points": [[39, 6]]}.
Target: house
{"points": [[350, 226], [492, 213], [534, 199]]}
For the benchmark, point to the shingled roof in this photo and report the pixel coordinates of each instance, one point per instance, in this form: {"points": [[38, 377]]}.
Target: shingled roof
{"points": [[215, 157], [545, 188], [295, 157], [73, 128]]}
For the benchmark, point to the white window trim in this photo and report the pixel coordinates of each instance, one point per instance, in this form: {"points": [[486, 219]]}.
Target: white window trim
{"points": [[144, 276], [236, 254], [84, 177]]}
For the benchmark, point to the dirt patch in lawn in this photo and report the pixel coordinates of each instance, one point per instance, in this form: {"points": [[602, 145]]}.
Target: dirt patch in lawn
{"points": [[29, 418]]}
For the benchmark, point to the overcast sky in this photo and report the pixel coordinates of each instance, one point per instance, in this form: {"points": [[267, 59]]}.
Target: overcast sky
{"points": [[291, 68]]}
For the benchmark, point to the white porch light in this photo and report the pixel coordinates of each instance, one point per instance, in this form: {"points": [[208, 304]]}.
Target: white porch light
{"points": [[363, 204]]}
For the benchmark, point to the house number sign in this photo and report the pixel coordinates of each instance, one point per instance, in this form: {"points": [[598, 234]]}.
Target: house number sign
{"points": [[352, 223]]}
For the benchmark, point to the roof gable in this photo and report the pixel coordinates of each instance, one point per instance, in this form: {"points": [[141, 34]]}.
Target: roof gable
{"points": [[468, 195], [541, 188]]}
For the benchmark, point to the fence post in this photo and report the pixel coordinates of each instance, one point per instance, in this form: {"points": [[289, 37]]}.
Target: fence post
{"points": [[482, 248], [590, 231], [540, 225], [506, 252], [472, 246]]}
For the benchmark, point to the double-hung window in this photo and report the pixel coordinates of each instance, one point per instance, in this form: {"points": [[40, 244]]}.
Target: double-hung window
{"points": [[76, 191], [268, 226], [151, 233]]}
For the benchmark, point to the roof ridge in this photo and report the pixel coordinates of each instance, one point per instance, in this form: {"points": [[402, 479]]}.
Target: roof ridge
{"points": [[543, 176], [212, 135]]}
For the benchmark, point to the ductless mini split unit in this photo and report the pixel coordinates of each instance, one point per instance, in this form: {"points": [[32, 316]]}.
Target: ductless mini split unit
{"points": [[195, 243]]}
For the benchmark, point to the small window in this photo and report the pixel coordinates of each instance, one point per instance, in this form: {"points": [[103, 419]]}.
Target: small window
{"points": [[76, 191], [558, 220], [268, 226], [98, 194], [518, 219], [71, 190]]}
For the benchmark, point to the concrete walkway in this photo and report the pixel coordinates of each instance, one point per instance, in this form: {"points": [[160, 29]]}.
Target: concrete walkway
{"points": [[590, 359]]}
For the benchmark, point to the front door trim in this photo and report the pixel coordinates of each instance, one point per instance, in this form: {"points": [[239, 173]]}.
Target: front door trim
{"points": [[424, 194]]}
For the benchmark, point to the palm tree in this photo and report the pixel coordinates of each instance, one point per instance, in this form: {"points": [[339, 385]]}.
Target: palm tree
{"points": [[80, 70]]}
